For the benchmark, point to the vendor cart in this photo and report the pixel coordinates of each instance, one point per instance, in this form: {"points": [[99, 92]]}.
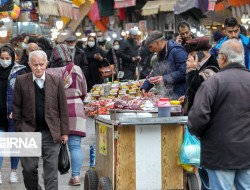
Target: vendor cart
{"points": [[138, 154]]}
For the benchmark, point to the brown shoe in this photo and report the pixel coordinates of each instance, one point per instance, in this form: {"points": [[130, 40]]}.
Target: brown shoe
{"points": [[75, 181]]}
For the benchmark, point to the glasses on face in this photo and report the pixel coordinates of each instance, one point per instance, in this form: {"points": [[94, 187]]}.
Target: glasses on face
{"points": [[233, 31]]}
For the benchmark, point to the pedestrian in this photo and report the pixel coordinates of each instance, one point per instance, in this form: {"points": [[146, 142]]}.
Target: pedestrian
{"points": [[76, 89], [233, 30], [30, 47], [200, 66], [95, 56], [113, 55], [220, 117], [78, 55], [39, 105], [184, 33], [9, 70], [45, 45], [169, 74], [102, 42], [128, 52]]}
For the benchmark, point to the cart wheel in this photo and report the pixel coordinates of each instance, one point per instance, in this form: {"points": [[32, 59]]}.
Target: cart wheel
{"points": [[104, 184], [192, 182], [90, 180]]}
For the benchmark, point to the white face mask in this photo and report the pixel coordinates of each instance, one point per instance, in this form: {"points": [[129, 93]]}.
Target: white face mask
{"points": [[24, 45], [71, 47], [116, 47], [91, 44], [100, 39], [5, 63]]}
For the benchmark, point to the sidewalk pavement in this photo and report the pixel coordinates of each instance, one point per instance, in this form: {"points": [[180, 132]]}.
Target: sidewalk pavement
{"points": [[62, 179]]}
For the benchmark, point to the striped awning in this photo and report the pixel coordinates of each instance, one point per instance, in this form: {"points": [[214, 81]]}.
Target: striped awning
{"points": [[154, 7]]}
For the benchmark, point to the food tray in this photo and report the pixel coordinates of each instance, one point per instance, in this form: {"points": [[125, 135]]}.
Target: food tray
{"points": [[115, 114]]}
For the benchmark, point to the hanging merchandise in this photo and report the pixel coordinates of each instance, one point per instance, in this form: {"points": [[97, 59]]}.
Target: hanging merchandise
{"points": [[14, 14], [6, 5]]}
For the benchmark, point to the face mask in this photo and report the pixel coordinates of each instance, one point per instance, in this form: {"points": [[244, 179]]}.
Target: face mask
{"points": [[116, 47], [91, 44], [5, 63], [24, 45], [100, 39], [71, 47]]}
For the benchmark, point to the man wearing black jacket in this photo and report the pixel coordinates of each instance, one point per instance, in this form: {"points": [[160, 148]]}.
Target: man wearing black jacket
{"points": [[129, 54], [78, 55]]}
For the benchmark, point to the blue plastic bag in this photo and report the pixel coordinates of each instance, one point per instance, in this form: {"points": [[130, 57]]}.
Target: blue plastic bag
{"points": [[190, 149]]}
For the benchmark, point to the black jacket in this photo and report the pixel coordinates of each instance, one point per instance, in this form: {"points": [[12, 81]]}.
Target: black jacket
{"points": [[194, 79], [220, 116], [81, 60], [128, 50]]}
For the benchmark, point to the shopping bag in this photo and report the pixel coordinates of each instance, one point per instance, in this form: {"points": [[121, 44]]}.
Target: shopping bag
{"points": [[190, 149], [63, 160], [108, 71]]}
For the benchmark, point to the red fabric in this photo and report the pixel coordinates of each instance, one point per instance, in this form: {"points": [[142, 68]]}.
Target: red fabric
{"points": [[236, 3], [121, 14], [124, 3], [94, 13], [102, 24]]}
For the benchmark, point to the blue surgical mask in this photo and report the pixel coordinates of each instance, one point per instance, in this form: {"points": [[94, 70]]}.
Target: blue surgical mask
{"points": [[5, 63], [71, 47], [24, 45]]}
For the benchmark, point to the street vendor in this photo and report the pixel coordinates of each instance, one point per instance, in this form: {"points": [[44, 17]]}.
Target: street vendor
{"points": [[170, 71]]}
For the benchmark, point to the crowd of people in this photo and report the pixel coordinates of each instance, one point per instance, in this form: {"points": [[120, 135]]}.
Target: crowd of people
{"points": [[42, 90]]}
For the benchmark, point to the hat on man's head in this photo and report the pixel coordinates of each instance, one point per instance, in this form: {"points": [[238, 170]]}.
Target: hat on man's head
{"points": [[152, 37], [71, 39], [197, 44], [133, 31]]}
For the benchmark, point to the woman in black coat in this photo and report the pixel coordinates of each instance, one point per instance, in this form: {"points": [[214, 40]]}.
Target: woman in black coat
{"points": [[113, 55], [95, 57]]}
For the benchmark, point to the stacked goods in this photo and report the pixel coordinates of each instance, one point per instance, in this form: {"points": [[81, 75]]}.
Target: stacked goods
{"points": [[126, 102], [117, 90]]}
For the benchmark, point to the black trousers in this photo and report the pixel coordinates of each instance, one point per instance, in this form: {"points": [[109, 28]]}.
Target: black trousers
{"points": [[50, 152]]}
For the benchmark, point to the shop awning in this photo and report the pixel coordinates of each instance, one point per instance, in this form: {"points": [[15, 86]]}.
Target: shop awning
{"points": [[154, 7], [240, 10], [124, 3], [48, 7], [184, 5]]}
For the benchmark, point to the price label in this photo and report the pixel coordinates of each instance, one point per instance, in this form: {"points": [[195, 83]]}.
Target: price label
{"points": [[106, 90]]}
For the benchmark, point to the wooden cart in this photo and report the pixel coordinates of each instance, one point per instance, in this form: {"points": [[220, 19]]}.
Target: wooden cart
{"points": [[137, 154]]}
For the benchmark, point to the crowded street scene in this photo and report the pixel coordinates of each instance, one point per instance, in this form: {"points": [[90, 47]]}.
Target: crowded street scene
{"points": [[124, 95]]}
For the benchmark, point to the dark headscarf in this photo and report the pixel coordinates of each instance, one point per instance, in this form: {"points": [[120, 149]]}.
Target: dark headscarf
{"points": [[60, 56], [95, 42], [197, 44], [4, 72]]}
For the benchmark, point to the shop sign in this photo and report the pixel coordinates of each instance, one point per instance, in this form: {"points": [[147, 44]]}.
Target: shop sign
{"points": [[143, 25], [128, 26], [103, 140]]}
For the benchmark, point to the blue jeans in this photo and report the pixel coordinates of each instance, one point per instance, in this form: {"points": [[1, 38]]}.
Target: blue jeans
{"points": [[225, 179], [13, 160], [76, 154], [204, 179]]}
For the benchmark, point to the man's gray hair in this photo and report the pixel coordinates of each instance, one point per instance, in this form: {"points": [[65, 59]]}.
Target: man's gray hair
{"points": [[234, 51], [38, 53]]}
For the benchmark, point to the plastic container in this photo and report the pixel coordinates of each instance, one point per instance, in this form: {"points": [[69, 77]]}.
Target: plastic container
{"points": [[164, 107], [175, 108], [92, 155]]}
